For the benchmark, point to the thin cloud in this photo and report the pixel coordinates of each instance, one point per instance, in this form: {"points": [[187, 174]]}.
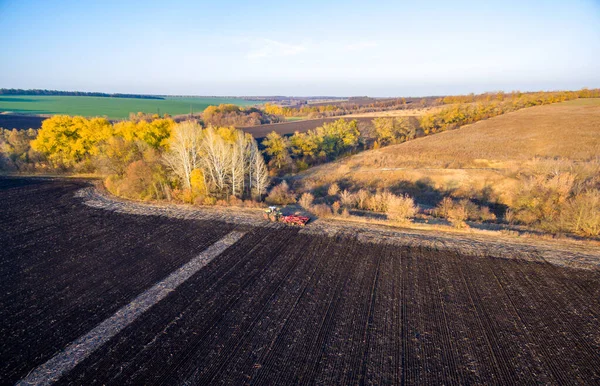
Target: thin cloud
{"points": [[268, 48], [361, 45]]}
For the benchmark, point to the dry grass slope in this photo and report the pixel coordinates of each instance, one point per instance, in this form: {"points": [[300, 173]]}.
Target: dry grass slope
{"points": [[542, 163], [566, 130]]}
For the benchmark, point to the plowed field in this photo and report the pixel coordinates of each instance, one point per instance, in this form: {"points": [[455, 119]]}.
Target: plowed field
{"points": [[280, 306]]}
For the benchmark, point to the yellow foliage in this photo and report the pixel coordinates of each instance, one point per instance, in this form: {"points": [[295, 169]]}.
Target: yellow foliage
{"points": [[198, 182], [67, 140], [155, 133]]}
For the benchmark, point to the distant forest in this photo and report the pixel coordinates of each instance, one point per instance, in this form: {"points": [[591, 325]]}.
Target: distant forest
{"points": [[18, 91]]}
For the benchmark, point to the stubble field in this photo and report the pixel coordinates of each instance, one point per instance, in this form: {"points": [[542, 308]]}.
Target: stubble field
{"points": [[280, 306]]}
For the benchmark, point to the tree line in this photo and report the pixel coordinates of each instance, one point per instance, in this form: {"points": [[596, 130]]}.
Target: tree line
{"points": [[477, 108], [359, 105], [143, 158], [18, 91], [342, 137], [233, 115]]}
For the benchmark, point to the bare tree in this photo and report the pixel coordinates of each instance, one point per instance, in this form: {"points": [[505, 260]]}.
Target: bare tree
{"points": [[230, 163], [183, 156], [257, 171], [216, 160], [237, 165]]}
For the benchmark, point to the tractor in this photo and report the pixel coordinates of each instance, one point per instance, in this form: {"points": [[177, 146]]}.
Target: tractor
{"points": [[273, 214]]}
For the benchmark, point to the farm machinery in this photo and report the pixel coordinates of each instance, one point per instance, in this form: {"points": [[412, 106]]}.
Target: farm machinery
{"points": [[274, 214]]}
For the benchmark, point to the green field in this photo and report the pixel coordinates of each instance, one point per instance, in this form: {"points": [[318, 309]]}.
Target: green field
{"points": [[113, 108]]}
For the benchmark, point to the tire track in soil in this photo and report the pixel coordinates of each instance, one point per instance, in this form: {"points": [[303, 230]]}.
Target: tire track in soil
{"points": [[320, 345], [587, 293], [319, 305], [380, 366], [561, 322], [208, 373], [348, 329], [462, 334], [541, 372], [274, 329], [445, 349], [502, 327], [545, 352], [140, 347], [413, 349], [499, 372], [241, 319], [429, 362], [55, 286], [368, 330]]}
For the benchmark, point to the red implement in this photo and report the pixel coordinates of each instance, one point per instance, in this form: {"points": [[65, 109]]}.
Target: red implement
{"points": [[295, 220]]}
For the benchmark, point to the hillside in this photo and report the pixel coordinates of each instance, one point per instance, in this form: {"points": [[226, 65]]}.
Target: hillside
{"points": [[488, 161], [567, 130]]}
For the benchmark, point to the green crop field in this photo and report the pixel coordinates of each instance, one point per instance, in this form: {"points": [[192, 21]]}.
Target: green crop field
{"points": [[113, 108]]}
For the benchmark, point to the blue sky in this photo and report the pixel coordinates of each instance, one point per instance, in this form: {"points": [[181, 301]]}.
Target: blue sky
{"points": [[396, 48]]}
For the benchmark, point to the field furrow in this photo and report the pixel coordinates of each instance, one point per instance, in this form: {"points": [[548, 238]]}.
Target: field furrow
{"points": [[279, 306]]}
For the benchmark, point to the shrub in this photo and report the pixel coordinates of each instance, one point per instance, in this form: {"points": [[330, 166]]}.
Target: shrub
{"points": [[379, 201], [401, 208], [235, 201], [347, 199], [458, 214], [484, 214], [281, 195], [137, 183], [362, 197], [186, 195], [321, 210], [444, 207], [584, 214], [540, 201], [301, 165], [209, 201], [509, 216], [333, 190], [336, 208], [252, 204], [306, 200]]}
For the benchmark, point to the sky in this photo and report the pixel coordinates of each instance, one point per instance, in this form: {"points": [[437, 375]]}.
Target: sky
{"points": [[301, 48]]}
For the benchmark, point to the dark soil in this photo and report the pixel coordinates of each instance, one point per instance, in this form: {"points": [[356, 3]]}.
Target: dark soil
{"points": [[280, 306], [15, 121], [288, 128], [65, 267]]}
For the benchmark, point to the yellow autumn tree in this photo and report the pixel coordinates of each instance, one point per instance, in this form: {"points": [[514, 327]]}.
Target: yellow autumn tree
{"points": [[67, 140]]}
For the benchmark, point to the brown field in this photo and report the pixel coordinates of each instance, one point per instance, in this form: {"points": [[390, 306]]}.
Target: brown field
{"points": [[303, 125], [413, 112], [288, 128], [491, 163], [479, 151], [16, 121], [280, 306]]}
